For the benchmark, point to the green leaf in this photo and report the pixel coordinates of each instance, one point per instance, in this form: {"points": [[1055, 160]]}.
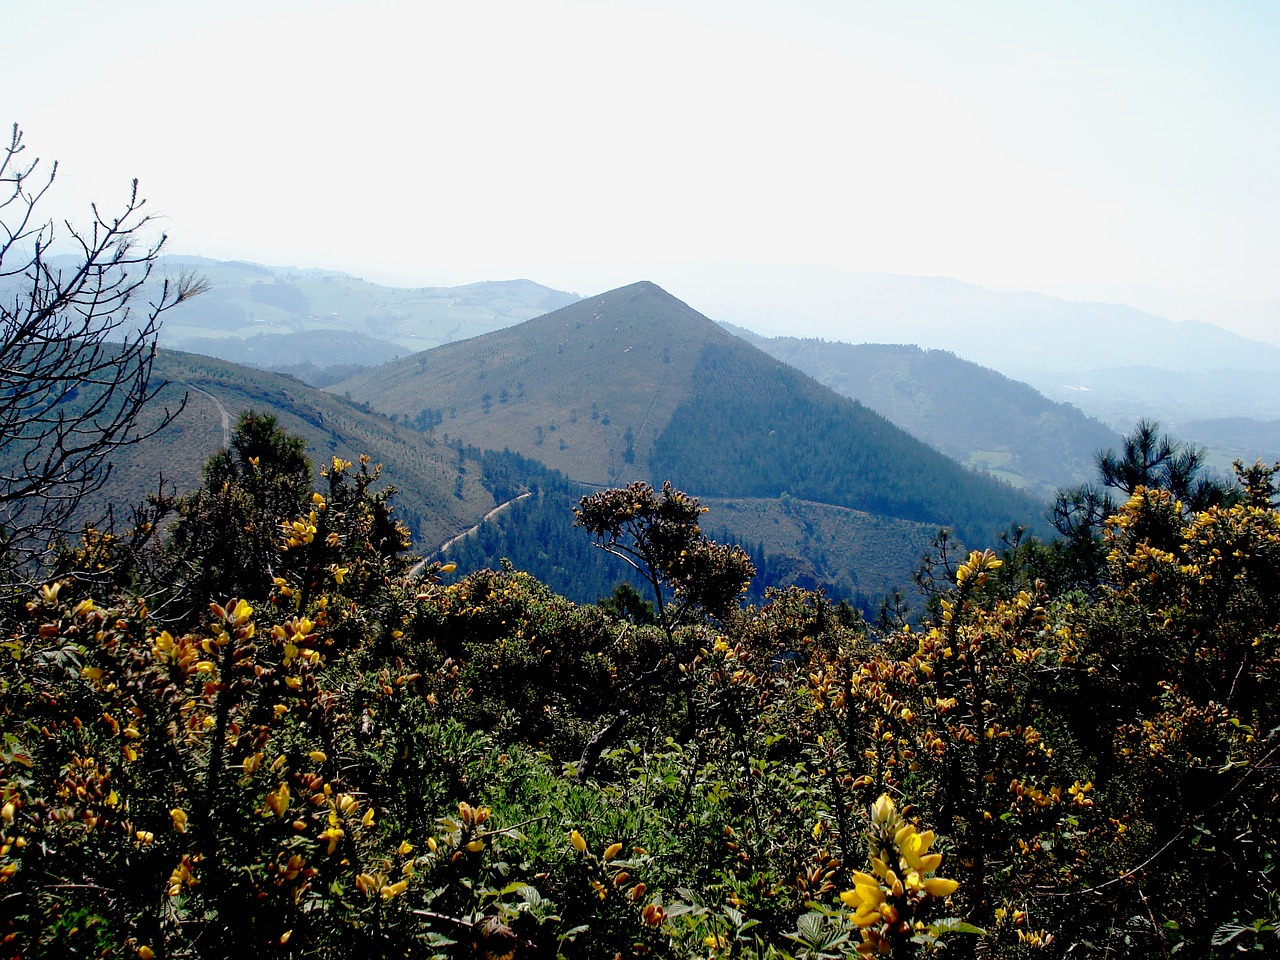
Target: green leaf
{"points": [[810, 927], [1226, 933], [954, 925]]}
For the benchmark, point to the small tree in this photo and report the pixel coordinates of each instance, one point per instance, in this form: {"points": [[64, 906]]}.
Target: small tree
{"points": [[1149, 459], [658, 535], [262, 480], [77, 343]]}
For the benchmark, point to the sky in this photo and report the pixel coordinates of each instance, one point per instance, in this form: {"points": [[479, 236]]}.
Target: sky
{"points": [[1124, 152]]}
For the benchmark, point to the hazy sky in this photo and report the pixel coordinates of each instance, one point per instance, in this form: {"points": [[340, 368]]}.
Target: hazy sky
{"points": [[1116, 151]]}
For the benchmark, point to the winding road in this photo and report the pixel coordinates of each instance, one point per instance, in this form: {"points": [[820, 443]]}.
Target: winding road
{"points": [[483, 520], [226, 417]]}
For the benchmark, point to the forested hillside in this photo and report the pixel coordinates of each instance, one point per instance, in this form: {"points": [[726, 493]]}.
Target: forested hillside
{"points": [[790, 542], [974, 415], [738, 434]]}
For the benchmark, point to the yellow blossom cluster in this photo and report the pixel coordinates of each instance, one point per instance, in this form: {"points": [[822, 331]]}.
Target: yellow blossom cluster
{"points": [[889, 902], [298, 533]]}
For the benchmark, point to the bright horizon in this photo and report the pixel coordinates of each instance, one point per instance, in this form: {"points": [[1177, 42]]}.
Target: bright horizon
{"points": [[1088, 151]]}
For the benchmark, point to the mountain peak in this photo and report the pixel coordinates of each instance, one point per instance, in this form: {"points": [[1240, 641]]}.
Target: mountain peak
{"points": [[588, 387], [641, 292]]}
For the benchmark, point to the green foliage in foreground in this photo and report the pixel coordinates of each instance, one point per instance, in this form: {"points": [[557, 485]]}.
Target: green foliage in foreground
{"points": [[357, 761]]}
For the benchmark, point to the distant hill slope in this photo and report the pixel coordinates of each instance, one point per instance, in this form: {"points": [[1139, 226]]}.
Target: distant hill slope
{"points": [[753, 427], [491, 505], [440, 492], [636, 384], [267, 315], [971, 413], [1235, 438]]}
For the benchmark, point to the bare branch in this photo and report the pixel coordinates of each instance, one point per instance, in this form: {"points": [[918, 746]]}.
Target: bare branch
{"points": [[78, 340]]}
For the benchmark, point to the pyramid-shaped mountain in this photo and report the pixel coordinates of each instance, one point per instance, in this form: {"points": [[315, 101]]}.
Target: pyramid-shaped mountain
{"points": [[634, 384]]}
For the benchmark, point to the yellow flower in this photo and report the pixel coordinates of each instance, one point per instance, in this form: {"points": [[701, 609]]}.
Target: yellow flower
{"points": [[865, 899], [940, 886], [578, 843], [612, 851], [179, 819], [278, 800], [333, 835], [882, 810]]}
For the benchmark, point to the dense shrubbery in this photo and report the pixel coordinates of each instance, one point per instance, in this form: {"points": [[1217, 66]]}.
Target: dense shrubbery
{"points": [[256, 728]]}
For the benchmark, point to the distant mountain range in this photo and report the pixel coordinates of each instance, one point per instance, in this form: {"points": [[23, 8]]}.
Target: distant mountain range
{"points": [[304, 321], [529, 396], [1115, 362]]}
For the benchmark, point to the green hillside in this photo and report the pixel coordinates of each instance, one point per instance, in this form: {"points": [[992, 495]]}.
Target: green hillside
{"points": [[790, 541], [972, 414], [440, 492], [492, 505], [634, 384], [565, 388]]}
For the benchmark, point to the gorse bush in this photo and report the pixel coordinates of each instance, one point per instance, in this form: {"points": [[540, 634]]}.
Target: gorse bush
{"points": [[255, 727]]}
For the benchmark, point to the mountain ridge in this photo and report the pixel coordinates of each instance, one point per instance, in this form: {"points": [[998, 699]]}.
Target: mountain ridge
{"points": [[639, 364]]}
